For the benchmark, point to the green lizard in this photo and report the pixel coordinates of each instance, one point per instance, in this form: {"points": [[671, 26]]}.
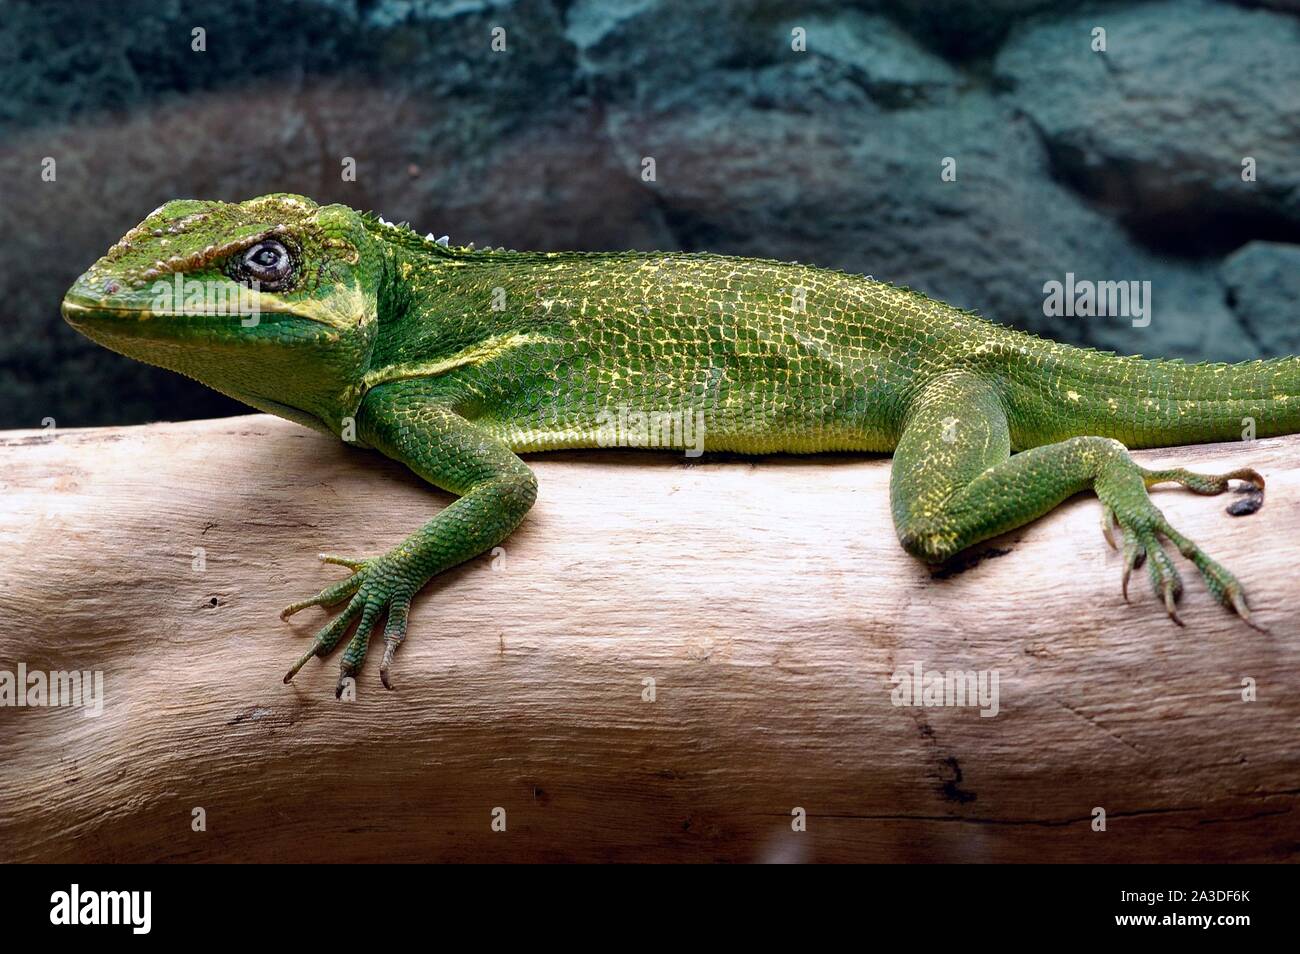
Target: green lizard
{"points": [[453, 360]]}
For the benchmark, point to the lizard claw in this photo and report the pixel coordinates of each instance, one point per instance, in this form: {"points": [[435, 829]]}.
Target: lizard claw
{"points": [[1108, 525], [293, 670], [1238, 600], [1134, 556], [1165, 579], [1171, 599], [394, 633]]}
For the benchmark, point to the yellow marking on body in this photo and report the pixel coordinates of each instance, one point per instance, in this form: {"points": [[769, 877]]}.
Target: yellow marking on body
{"points": [[1072, 395], [479, 353]]}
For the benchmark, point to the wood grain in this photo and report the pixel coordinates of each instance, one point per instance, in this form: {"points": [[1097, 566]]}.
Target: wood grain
{"points": [[768, 600]]}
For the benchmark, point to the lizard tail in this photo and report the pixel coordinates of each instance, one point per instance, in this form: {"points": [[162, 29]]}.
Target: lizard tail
{"points": [[1159, 403]]}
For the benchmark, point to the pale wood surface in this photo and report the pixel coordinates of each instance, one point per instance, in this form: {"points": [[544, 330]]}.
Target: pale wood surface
{"points": [[769, 601]]}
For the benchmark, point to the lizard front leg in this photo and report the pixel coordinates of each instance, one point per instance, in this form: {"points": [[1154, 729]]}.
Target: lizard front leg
{"points": [[954, 483], [413, 424]]}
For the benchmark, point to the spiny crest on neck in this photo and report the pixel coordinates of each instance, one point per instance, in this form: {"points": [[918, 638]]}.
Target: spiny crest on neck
{"points": [[402, 234]]}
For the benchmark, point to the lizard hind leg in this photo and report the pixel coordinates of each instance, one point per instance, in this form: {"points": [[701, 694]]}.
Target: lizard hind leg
{"points": [[955, 483]]}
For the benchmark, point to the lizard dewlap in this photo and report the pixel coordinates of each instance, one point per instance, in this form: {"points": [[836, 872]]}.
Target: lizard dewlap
{"points": [[453, 360]]}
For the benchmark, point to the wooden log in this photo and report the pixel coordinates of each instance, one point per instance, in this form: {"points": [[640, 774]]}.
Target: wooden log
{"points": [[767, 600]]}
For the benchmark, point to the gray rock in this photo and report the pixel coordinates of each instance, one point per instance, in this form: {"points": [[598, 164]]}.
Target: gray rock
{"points": [[1156, 128], [656, 53], [876, 55], [1290, 6], [961, 29], [1263, 284], [647, 53]]}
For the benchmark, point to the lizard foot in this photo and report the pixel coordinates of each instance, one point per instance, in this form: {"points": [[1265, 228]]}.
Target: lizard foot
{"points": [[1126, 504], [376, 585]]}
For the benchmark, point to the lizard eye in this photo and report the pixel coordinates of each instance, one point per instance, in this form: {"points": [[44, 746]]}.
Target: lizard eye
{"points": [[268, 263]]}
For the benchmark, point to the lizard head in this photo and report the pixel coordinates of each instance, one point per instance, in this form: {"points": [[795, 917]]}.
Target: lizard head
{"points": [[272, 301]]}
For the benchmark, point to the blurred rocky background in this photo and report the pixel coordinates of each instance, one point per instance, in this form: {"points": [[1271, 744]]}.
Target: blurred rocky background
{"points": [[1116, 166]]}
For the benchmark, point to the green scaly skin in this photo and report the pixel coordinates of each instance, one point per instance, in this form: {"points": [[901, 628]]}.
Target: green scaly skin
{"points": [[452, 360]]}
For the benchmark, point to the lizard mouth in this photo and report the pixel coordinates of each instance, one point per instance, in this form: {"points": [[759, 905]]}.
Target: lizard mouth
{"points": [[343, 311], [93, 318], [77, 309], [82, 311], [136, 328]]}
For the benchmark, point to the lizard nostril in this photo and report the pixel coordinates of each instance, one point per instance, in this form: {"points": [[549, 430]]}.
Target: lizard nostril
{"points": [[111, 287]]}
